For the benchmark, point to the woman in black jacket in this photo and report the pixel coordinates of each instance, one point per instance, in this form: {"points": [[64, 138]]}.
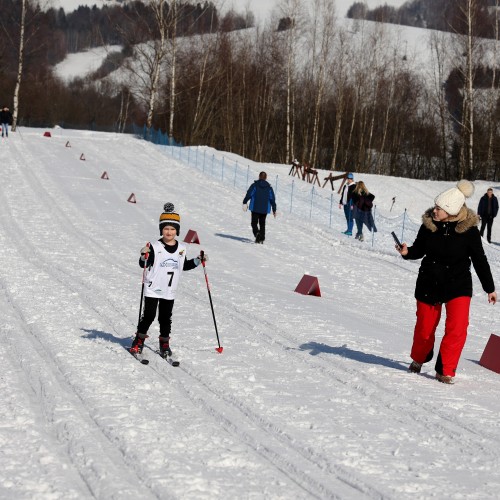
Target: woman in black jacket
{"points": [[362, 201], [448, 241]]}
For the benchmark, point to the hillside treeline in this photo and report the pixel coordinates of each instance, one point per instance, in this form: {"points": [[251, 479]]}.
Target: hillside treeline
{"points": [[441, 15], [303, 87]]}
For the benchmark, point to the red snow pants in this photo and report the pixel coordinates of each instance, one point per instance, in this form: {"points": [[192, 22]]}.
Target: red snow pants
{"points": [[455, 333]]}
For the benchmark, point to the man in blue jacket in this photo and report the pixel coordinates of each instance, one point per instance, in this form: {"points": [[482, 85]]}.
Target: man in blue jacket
{"points": [[261, 197]]}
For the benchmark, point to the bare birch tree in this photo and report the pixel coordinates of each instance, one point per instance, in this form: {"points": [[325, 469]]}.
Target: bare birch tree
{"points": [[292, 10], [322, 31], [340, 80], [440, 69], [493, 94], [469, 51], [149, 53], [173, 65], [20, 63], [23, 41]]}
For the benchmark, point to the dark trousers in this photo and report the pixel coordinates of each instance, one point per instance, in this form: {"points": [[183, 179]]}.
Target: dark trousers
{"points": [[259, 225], [488, 222], [164, 315]]}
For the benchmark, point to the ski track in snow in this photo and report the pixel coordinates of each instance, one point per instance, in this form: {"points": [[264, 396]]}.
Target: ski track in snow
{"points": [[310, 399]]}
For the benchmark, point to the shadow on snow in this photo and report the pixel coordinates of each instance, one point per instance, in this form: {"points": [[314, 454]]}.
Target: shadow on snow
{"points": [[98, 334], [316, 348], [231, 237]]}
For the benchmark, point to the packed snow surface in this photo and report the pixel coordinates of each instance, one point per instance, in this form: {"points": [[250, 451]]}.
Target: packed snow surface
{"points": [[310, 397]]}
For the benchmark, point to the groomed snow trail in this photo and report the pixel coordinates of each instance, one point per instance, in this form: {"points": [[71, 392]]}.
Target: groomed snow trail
{"points": [[310, 398]]}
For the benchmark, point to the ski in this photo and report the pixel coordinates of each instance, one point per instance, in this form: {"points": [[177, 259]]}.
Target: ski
{"points": [[168, 359], [139, 357]]}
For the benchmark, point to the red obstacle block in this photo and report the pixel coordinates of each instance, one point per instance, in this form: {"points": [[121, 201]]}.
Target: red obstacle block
{"points": [[131, 198], [104, 175], [47, 134], [192, 237], [491, 354], [309, 285]]}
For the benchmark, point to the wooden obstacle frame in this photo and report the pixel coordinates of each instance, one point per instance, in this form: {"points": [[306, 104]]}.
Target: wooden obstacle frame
{"points": [[330, 178]]}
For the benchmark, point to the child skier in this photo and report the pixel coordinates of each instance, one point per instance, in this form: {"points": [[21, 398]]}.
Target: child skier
{"points": [[166, 260]]}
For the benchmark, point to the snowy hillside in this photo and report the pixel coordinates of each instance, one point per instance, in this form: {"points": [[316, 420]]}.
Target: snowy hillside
{"points": [[310, 398]]}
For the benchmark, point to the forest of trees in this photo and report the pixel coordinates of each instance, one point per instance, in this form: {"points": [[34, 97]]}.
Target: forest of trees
{"points": [[442, 15], [303, 87]]}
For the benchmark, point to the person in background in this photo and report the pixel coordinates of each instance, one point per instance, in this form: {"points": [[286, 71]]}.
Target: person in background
{"points": [[487, 211], [346, 202], [362, 201], [5, 121], [447, 242], [262, 200]]}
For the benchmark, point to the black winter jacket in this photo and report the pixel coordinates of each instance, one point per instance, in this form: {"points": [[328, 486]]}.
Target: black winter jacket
{"points": [[447, 249], [363, 201], [482, 208], [5, 117]]}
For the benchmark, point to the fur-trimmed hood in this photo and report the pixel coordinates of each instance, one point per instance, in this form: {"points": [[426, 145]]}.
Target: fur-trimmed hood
{"points": [[465, 219]]}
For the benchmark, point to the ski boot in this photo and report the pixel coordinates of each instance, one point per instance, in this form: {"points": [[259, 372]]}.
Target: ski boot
{"points": [[165, 350], [138, 343], [445, 379], [415, 367]]}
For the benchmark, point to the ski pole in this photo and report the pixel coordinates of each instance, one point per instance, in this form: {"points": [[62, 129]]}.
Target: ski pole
{"points": [[218, 349], [146, 255]]}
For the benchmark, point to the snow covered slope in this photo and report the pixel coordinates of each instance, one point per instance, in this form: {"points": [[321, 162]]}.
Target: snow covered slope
{"points": [[310, 398]]}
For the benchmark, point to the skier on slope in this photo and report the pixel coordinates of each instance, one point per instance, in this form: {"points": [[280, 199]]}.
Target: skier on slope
{"points": [[166, 260]]}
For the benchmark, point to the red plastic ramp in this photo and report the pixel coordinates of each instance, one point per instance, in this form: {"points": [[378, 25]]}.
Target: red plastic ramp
{"points": [[308, 285], [192, 237], [491, 354]]}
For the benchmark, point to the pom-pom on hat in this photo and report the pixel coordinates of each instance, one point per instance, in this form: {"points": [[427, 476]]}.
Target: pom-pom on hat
{"points": [[170, 218], [452, 200]]}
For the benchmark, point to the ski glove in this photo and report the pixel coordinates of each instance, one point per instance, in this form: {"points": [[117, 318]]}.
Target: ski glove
{"points": [[198, 260], [245, 207], [144, 251]]}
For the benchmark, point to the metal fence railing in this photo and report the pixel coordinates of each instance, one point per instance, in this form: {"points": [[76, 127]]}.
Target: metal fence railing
{"points": [[293, 195]]}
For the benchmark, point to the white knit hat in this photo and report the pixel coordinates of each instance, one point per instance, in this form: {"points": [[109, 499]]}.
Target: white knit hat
{"points": [[452, 200]]}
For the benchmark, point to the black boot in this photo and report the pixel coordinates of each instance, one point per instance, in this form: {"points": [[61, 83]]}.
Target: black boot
{"points": [[165, 347], [138, 343]]}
